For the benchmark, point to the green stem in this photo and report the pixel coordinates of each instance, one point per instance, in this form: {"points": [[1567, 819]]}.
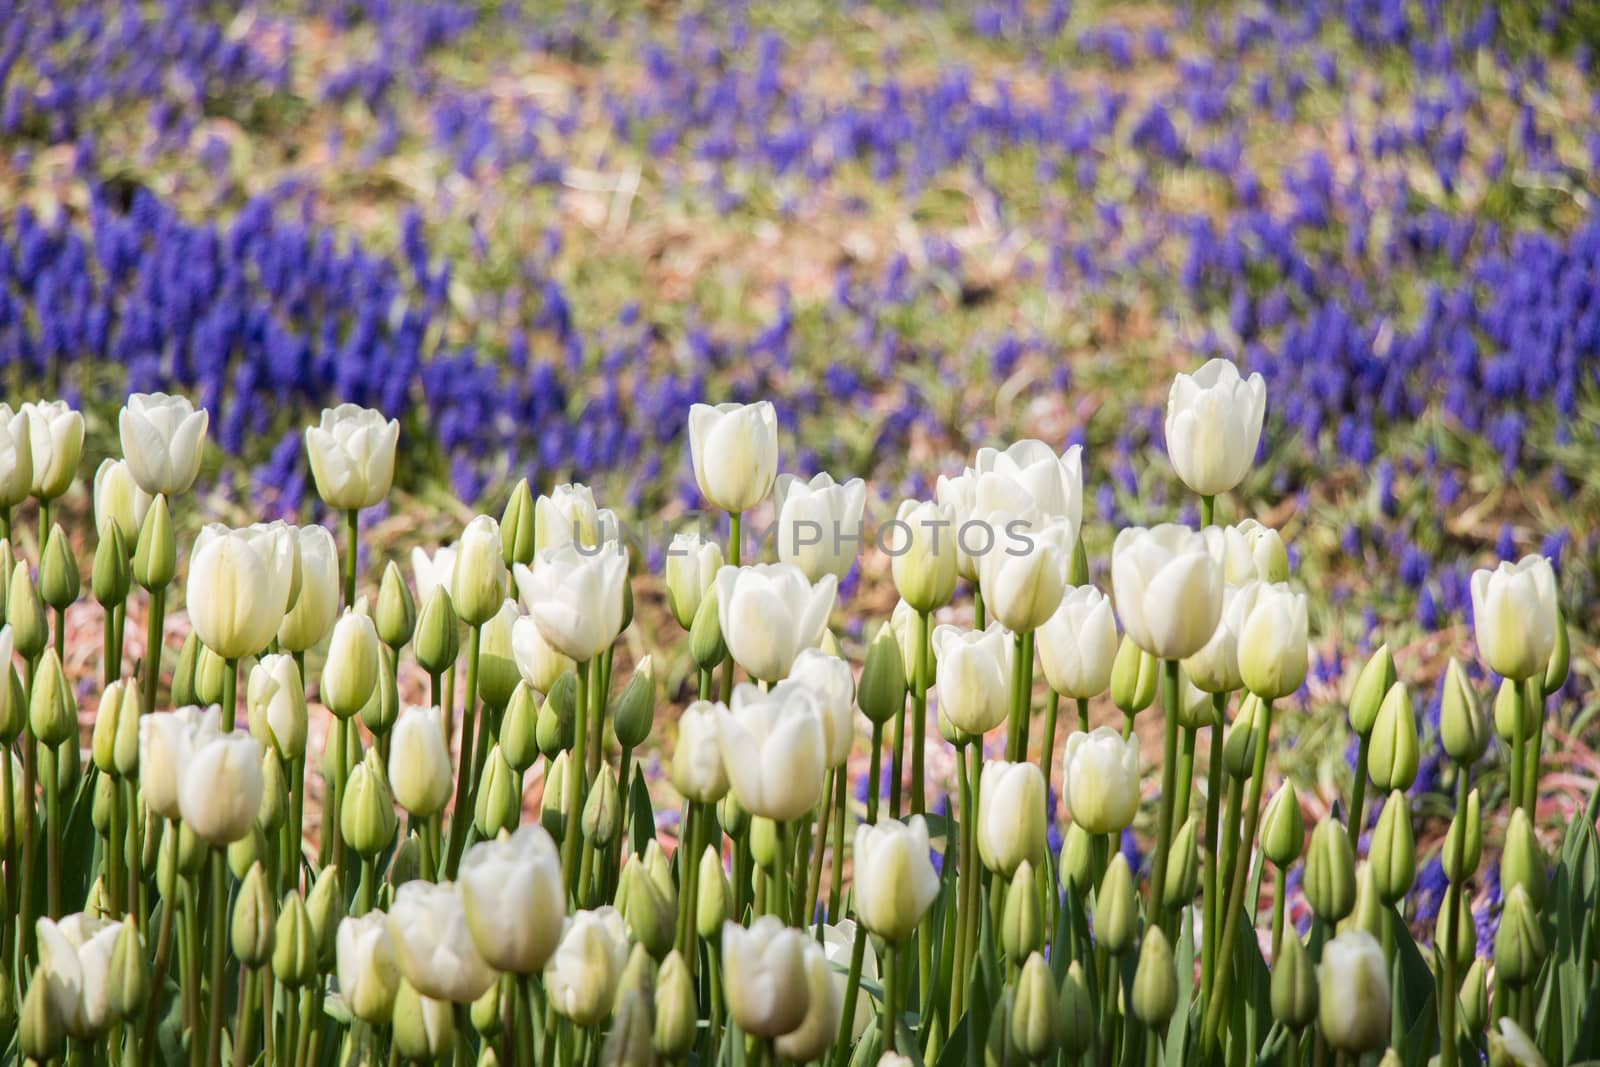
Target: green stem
{"points": [[778, 895], [219, 959], [111, 864], [52, 840], [574, 782], [158, 971], [1208, 506], [1183, 796], [841, 798], [873, 784], [1280, 893], [964, 877], [688, 869], [891, 997], [155, 626], [1052, 708], [897, 762], [1533, 704], [466, 787], [919, 712], [814, 869], [735, 538], [1169, 789], [1453, 907], [352, 530], [1358, 791], [245, 1017]]}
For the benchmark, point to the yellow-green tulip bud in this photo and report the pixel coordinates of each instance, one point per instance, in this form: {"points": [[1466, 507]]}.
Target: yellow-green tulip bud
{"points": [[246, 851], [1393, 850], [1466, 934], [1294, 985], [1035, 1010], [1522, 860], [1011, 811], [1116, 911], [437, 640], [59, 580], [1555, 673], [325, 907], [1076, 860], [274, 810], [558, 716], [705, 636], [41, 1032], [383, 706], [1510, 709], [254, 919], [395, 615], [735, 820], [1512, 1047], [499, 797], [602, 810], [1155, 981], [30, 629], [1239, 748], [485, 1011], [100, 805], [1372, 685], [676, 1022], [517, 526], [1468, 847], [479, 579], [1330, 872], [921, 543], [424, 1028], [498, 674], [636, 706], [712, 895], [764, 842], [116, 730], [628, 1041], [1354, 1006], [128, 981], [112, 575], [183, 674], [13, 701], [881, 694], [51, 712], [351, 670], [155, 557], [180, 854], [1183, 864], [1076, 1019], [1392, 762], [1462, 727], [998, 1050], [552, 802], [209, 669], [1474, 999], [1368, 913], [1283, 828], [366, 813], [1022, 922], [519, 729], [294, 944], [1135, 674], [1519, 946], [407, 863]]}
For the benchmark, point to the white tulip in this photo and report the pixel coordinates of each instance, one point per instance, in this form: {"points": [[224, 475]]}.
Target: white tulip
{"points": [[167, 741], [904, 626], [119, 500], [55, 442], [515, 899], [220, 787], [275, 699], [311, 616], [769, 612], [1214, 425], [240, 584], [1272, 644], [1514, 616], [824, 1005], [1248, 551], [1011, 816], [692, 566], [430, 572], [838, 944], [1168, 589], [351, 670], [973, 673], [419, 762], [734, 451], [764, 976], [1025, 574], [895, 882], [352, 456], [1100, 780], [75, 965], [834, 685], [697, 770], [1215, 668], [1078, 644], [1054, 484], [576, 597], [16, 457], [369, 979], [921, 543], [774, 749], [538, 663], [163, 438], [478, 572], [1354, 1005], [819, 523], [433, 946], [581, 976], [568, 514]]}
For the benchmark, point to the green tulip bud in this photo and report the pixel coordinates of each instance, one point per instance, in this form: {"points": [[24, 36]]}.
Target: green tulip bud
{"points": [[676, 1023], [325, 908], [1076, 1015], [1194, 704], [100, 807], [1555, 672], [41, 1032], [1512, 1047], [1519, 947], [1035, 1010], [558, 717], [112, 576], [115, 746], [1330, 873], [499, 797], [519, 729], [1283, 828], [128, 981], [155, 557], [1369, 913], [635, 709], [1469, 847], [274, 810], [254, 919], [183, 674], [294, 944], [1474, 999], [1077, 860], [1372, 685], [881, 694], [351, 670], [1022, 923], [516, 526], [1392, 762], [1294, 985], [51, 711], [1466, 934], [638, 975], [208, 677], [1393, 850], [1523, 862], [1183, 864], [424, 1029], [552, 809], [1134, 675], [30, 630], [1155, 981], [764, 842], [13, 704], [485, 1011], [1115, 909], [246, 852], [437, 638], [951, 733], [712, 895], [383, 706], [735, 820], [1239, 748], [627, 606], [181, 854], [1510, 709], [396, 612], [705, 636], [366, 812], [498, 675], [1462, 728], [59, 580], [602, 810], [629, 1040], [998, 1051], [650, 912], [406, 866]]}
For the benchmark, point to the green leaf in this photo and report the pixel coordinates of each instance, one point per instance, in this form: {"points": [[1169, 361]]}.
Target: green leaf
{"points": [[643, 818]]}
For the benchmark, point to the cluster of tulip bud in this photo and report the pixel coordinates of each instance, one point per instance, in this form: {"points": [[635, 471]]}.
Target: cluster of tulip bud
{"points": [[193, 893]]}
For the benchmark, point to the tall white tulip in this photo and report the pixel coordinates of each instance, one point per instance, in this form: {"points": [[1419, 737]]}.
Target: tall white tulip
{"points": [[1215, 668], [55, 443], [734, 450], [163, 438], [16, 457], [765, 976], [240, 583], [834, 685], [692, 566], [568, 514], [581, 976], [275, 699], [960, 495], [1078, 644], [1168, 589], [1214, 425], [433, 945], [1025, 574], [219, 789], [819, 523], [478, 576], [1053, 483], [419, 762], [697, 770], [973, 674], [1011, 816], [430, 572], [774, 749], [576, 597], [1100, 780], [769, 612], [538, 662], [75, 965], [312, 615], [921, 543], [514, 899], [1514, 616], [351, 670], [895, 882], [167, 741], [119, 500], [352, 456], [369, 979], [1273, 653]]}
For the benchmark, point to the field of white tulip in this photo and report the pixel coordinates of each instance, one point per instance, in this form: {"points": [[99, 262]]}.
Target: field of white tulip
{"points": [[169, 896]]}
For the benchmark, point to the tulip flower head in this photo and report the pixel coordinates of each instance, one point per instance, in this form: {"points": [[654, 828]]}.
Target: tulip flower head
{"points": [[774, 749], [1272, 643], [537, 660], [769, 612], [973, 673], [16, 457], [765, 980], [220, 786], [895, 882], [369, 979], [734, 451], [1078, 644], [514, 899], [1514, 615], [576, 597], [163, 438], [819, 523], [419, 762], [1011, 816], [433, 944], [167, 743], [119, 501], [313, 612], [241, 583], [1031, 471], [352, 456], [568, 515], [75, 965], [921, 543], [1024, 576], [1100, 780], [1354, 983], [1214, 426], [430, 572], [275, 699], [478, 578], [832, 683], [55, 444], [581, 976], [692, 566]]}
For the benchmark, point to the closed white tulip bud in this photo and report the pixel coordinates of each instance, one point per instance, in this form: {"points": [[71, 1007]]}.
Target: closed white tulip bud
{"points": [[1248, 552], [163, 438], [368, 976], [538, 662], [567, 514], [895, 882], [1011, 816], [1078, 644], [1215, 668], [55, 442], [424, 1027], [921, 543], [734, 451], [1514, 616], [830, 680], [1031, 472], [240, 584], [478, 579], [419, 762], [764, 977], [275, 700], [432, 572], [1214, 425], [312, 613], [769, 613], [220, 787], [1353, 978], [498, 673], [697, 770], [514, 899], [366, 812], [1024, 576], [75, 965], [352, 456], [774, 750], [1272, 643], [960, 495], [16, 457], [973, 673], [838, 944], [576, 597], [692, 566], [118, 501], [1168, 589], [433, 945], [167, 741], [1100, 780], [351, 670], [824, 1007], [819, 523], [581, 976], [1510, 1046], [903, 625], [116, 726]]}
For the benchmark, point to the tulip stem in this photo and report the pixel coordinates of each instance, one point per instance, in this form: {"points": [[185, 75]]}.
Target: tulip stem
{"points": [[30, 818], [158, 972], [52, 840], [1052, 708], [155, 625], [245, 1016], [8, 827], [1182, 798], [574, 782], [687, 867], [919, 710], [1453, 908], [841, 796], [1169, 790], [1280, 893], [977, 608], [1208, 510], [964, 876], [897, 761], [468, 760], [1533, 704], [778, 894], [352, 526], [1358, 791], [852, 992], [219, 958], [111, 864], [891, 997], [814, 884]]}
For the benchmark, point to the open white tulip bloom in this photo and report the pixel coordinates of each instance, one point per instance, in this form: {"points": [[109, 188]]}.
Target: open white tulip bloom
{"points": [[1053, 484], [834, 685], [765, 976], [1011, 816], [1214, 425], [119, 501], [311, 616], [538, 662], [478, 578], [1215, 668], [75, 964], [16, 457], [433, 946], [819, 523], [769, 612], [419, 762], [1100, 780], [895, 882], [1248, 551], [959, 494], [1025, 574], [1273, 654], [692, 566], [567, 515], [734, 451], [240, 585], [1354, 983], [774, 750], [1078, 644], [838, 944], [576, 597], [369, 979], [581, 976], [163, 438], [55, 444], [351, 670], [698, 773], [352, 456], [514, 899], [275, 700], [824, 1006], [1514, 616], [1168, 589], [167, 742], [219, 788], [921, 543], [973, 673], [430, 572]]}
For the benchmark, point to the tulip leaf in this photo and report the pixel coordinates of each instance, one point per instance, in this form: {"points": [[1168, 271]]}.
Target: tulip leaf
{"points": [[642, 820], [954, 1052]]}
